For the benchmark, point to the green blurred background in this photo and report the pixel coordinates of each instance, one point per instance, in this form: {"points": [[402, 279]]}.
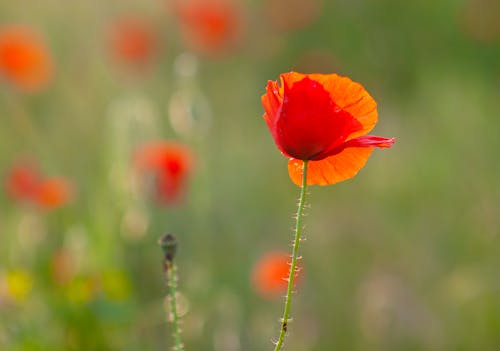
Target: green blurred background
{"points": [[405, 256]]}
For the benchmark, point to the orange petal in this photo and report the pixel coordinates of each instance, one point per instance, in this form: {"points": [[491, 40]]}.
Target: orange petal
{"points": [[351, 97], [271, 101], [290, 78], [332, 169]]}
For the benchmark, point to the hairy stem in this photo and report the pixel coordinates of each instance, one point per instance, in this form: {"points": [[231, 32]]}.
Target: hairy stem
{"points": [[293, 264], [174, 317]]}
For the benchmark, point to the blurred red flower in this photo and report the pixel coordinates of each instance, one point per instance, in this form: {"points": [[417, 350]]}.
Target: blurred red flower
{"points": [[270, 274], [24, 183], [24, 59], [170, 164], [322, 118], [209, 26], [133, 41]]}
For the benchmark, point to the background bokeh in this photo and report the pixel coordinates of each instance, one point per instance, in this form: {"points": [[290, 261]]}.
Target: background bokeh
{"points": [[405, 256]]}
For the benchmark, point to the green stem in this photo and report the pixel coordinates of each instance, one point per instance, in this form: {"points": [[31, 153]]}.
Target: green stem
{"points": [[293, 265], [174, 317]]}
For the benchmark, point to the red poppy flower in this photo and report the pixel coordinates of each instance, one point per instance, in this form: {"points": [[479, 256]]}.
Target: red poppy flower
{"points": [[209, 26], [133, 41], [324, 119], [170, 164], [270, 274], [22, 181], [24, 58]]}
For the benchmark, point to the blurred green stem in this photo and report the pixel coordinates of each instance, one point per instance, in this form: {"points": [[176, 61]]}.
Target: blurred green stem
{"points": [[293, 264], [172, 298]]}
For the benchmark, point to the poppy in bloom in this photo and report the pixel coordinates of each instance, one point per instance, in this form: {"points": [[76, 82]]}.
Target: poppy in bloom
{"points": [[323, 119], [24, 59], [270, 274], [25, 183], [169, 163], [133, 41], [209, 27]]}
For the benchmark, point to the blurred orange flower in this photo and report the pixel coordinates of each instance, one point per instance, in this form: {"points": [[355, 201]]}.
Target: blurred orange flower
{"points": [[24, 58], [324, 119], [133, 41], [53, 192], [209, 26], [24, 183], [170, 164], [270, 274]]}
